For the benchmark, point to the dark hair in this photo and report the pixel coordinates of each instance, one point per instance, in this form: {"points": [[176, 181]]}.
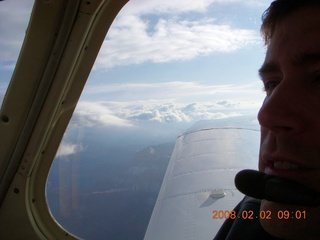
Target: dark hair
{"points": [[278, 10]]}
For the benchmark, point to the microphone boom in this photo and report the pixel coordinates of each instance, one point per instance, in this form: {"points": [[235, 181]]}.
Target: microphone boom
{"points": [[276, 189]]}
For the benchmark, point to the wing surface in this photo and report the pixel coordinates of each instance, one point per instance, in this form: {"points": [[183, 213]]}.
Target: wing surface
{"points": [[198, 189]]}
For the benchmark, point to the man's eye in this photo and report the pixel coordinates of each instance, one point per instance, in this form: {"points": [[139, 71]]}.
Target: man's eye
{"points": [[270, 86], [317, 79]]}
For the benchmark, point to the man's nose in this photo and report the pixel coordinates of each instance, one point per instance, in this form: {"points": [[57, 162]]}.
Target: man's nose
{"points": [[281, 110]]}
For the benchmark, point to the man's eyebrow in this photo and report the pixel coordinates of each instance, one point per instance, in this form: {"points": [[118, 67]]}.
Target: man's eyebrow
{"points": [[268, 68], [305, 58]]}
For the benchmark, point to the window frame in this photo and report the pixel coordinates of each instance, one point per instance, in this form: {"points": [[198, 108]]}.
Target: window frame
{"points": [[47, 90]]}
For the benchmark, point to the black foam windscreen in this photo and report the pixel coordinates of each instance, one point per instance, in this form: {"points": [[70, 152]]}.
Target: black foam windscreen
{"points": [[276, 189]]}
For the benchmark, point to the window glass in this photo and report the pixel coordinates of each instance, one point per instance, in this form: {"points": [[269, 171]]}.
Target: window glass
{"points": [[164, 66], [15, 15]]}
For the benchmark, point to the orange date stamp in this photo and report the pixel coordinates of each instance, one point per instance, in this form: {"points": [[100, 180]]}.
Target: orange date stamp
{"points": [[263, 214]]}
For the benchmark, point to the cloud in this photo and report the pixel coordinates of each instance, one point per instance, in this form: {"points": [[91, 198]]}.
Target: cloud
{"points": [[145, 31], [133, 40], [130, 114], [165, 31], [141, 7], [170, 102], [177, 113], [177, 91], [98, 114], [66, 149]]}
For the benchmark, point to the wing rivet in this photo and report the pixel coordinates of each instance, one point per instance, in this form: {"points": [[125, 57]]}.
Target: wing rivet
{"points": [[218, 194]]}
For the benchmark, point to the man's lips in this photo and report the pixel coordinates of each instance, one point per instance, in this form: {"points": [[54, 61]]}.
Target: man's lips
{"points": [[283, 165], [288, 168], [278, 162]]}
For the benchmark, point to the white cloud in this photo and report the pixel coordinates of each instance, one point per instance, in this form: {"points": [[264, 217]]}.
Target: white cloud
{"points": [[176, 113], [156, 31], [129, 114], [177, 91], [140, 7], [66, 149], [133, 40], [98, 114]]}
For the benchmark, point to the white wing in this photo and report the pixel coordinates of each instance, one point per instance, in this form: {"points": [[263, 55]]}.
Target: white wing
{"points": [[200, 180]]}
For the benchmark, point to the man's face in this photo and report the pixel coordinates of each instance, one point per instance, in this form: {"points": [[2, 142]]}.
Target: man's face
{"points": [[290, 118]]}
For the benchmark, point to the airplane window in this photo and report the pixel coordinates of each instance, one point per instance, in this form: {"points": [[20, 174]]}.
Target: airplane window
{"points": [[163, 67], [12, 30]]}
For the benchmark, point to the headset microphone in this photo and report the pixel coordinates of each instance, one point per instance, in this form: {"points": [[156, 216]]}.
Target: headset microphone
{"points": [[276, 189]]}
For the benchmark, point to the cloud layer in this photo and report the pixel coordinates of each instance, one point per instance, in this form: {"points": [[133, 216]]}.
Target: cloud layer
{"points": [[133, 40], [145, 31], [126, 114], [141, 7], [127, 105]]}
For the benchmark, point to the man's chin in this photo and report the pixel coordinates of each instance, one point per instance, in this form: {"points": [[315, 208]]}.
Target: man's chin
{"points": [[272, 225]]}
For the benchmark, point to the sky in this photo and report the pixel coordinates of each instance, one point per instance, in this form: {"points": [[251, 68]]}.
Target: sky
{"points": [[162, 63], [178, 61]]}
